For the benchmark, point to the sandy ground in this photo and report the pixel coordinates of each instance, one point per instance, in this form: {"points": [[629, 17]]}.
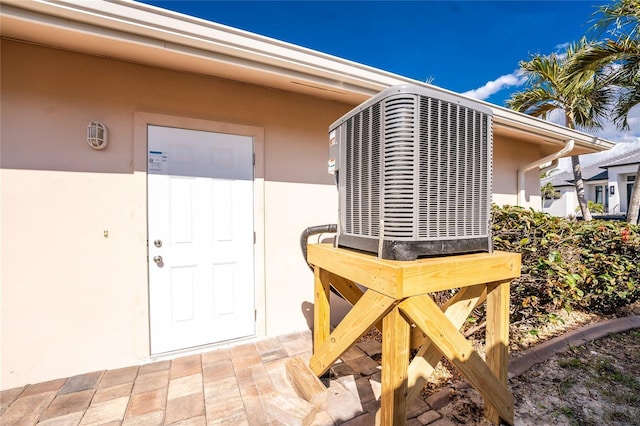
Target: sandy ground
{"points": [[594, 384]]}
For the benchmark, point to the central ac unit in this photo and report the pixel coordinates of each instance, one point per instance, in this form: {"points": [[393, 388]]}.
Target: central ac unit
{"points": [[414, 173]]}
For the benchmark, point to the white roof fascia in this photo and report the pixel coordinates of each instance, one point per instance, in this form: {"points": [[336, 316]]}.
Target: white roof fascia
{"points": [[164, 29]]}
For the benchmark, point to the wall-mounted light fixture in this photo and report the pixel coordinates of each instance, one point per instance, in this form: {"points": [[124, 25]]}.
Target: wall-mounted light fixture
{"points": [[612, 190], [97, 135]]}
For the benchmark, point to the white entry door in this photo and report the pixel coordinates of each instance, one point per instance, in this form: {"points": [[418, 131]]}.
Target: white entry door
{"points": [[200, 216]]}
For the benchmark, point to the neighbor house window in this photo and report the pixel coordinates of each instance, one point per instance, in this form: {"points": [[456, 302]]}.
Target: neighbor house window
{"points": [[602, 197]]}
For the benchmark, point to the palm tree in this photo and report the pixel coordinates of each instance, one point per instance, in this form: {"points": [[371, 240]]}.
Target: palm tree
{"points": [[551, 87], [617, 62]]}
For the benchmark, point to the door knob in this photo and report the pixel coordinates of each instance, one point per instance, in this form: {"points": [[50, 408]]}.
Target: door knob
{"points": [[158, 260]]}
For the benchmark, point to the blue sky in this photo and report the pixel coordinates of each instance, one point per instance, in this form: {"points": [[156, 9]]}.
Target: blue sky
{"points": [[470, 47]]}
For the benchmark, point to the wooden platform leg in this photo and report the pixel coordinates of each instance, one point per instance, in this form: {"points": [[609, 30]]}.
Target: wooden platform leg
{"points": [[321, 311], [497, 337], [395, 362]]}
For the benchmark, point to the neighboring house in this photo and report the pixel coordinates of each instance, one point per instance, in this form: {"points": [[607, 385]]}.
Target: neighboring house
{"points": [[106, 258], [607, 181]]}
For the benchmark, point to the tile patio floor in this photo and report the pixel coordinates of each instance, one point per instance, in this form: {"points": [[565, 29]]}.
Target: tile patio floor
{"points": [[240, 385]]}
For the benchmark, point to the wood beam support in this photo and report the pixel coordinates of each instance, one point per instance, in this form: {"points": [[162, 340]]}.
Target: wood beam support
{"points": [[457, 310], [369, 310], [424, 312]]}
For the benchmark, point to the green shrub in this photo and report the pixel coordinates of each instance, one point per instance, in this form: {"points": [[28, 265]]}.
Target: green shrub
{"points": [[592, 266]]}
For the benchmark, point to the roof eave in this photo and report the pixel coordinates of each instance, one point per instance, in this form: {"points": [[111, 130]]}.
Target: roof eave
{"points": [[267, 61]]}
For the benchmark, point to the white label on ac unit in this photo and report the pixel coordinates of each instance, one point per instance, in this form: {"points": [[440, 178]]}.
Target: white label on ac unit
{"points": [[332, 165], [332, 138]]}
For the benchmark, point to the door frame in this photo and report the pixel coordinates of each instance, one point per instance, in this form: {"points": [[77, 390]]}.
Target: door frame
{"points": [[141, 121]]}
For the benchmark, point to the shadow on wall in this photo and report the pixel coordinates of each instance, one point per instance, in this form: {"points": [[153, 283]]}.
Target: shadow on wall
{"points": [[339, 308]]}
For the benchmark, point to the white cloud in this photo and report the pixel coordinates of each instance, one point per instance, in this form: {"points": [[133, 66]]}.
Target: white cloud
{"points": [[494, 86], [610, 132]]}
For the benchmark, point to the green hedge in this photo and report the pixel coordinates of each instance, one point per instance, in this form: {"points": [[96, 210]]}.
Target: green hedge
{"points": [[592, 266]]}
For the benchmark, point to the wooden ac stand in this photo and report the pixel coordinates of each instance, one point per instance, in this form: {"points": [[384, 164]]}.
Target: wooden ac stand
{"points": [[397, 297]]}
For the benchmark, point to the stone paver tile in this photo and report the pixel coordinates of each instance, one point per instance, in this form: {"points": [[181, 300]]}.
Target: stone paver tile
{"points": [[64, 404], [417, 407], [296, 347], [253, 406], [443, 422], [154, 367], [249, 361], [429, 417], [68, 420], [439, 399], [370, 346], [265, 386], [342, 369], [26, 410], [414, 422], [103, 413], [352, 353], [118, 377], [81, 382], [114, 392], [218, 370], [151, 381], [50, 386], [186, 366], [376, 385], [322, 419], [363, 365], [372, 407], [151, 419], [220, 388], [214, 356], [229, 406], [275, 355], [365, 392], [342, 405], [268, 345], [234, 419], [365, 419], [184, 408], [349, 383], [193, 421], [184, 386], [249, 375], [146, 402], [8, 396], [243, 351]]}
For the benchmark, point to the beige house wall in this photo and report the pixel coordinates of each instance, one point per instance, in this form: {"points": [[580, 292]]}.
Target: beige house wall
{"points": [[73, 220]]}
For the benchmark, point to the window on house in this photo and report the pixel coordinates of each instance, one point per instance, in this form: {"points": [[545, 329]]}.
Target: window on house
{"points": [[602, 196], [630, 180]]}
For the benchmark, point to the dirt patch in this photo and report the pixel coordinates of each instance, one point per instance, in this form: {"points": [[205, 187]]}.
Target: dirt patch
{"points": [[593, 384]]}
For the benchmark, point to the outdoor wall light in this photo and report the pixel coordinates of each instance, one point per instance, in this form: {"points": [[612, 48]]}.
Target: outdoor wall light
{"points": [[97, 135], [612, 190]]}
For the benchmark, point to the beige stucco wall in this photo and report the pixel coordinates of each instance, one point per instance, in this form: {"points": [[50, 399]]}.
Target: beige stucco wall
{"points": [[73, 298]]}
